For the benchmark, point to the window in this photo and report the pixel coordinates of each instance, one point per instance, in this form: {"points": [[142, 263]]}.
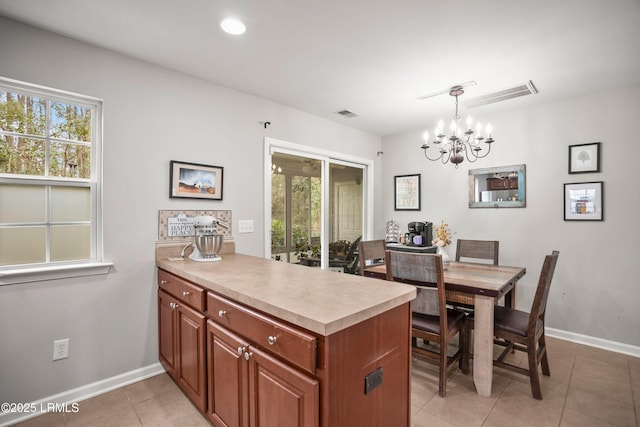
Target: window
{"points": [[50, 169]]}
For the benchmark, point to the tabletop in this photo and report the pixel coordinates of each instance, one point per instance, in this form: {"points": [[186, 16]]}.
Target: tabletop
{"points": [[483, 279]]}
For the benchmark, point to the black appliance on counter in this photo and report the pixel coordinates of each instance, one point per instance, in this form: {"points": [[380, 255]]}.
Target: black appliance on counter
{"points": [[419, 234]]}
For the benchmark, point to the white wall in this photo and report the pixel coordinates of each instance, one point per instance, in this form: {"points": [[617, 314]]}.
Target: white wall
{"points": [[595, 290], [151, 116]]}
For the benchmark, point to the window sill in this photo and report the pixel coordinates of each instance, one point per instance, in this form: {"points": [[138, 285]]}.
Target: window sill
{"points": [[38, 274]]}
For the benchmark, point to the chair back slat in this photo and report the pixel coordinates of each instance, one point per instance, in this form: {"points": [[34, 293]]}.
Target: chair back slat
{"points": [[542, 291], [424, 270], [478, 249], [426, 302]]}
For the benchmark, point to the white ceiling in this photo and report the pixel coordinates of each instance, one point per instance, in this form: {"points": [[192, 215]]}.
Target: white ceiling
{"points": [[373, 57]]}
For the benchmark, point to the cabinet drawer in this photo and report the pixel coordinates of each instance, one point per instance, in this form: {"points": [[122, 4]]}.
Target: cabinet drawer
{"points": [[295, 346], [182, 290]]}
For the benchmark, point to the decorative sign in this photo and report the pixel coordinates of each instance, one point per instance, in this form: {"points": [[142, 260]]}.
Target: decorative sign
{"points": [[407, 192], [180, 226]]}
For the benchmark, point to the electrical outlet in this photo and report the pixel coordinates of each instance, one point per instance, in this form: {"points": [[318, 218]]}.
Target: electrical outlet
{"points": [[61, 349]]}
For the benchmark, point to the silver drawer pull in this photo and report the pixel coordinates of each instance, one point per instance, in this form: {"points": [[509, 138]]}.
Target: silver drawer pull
{"points": [[241, 350], [272, 340], [222, 313], [186, 293], [163, 282], [173, 305], [247, 355]]}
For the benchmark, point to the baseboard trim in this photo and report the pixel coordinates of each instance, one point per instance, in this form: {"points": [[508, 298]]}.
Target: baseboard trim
{"points": [[617, 347], [82, 393]]}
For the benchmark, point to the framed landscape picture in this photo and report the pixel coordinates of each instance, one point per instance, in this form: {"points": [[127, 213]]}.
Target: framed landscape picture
{"points": [[406, 192], [584, 158], [195, 181], [583, 201]]}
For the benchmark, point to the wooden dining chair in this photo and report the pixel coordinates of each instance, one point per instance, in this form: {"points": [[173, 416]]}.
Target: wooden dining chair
{"points": [[431, 320], [522, 331], [478, 249], [372, 251]]}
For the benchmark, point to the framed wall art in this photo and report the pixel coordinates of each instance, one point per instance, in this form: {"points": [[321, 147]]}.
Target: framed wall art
{"points": [[406, 192], [583, 201], [195, 181], [584, 158]]}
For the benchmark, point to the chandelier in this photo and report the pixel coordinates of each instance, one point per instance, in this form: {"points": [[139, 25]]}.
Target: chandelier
{"points": [[459, 141]]}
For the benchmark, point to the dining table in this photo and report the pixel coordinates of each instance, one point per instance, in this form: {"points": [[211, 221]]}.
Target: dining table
{"points": [[487, 283]]}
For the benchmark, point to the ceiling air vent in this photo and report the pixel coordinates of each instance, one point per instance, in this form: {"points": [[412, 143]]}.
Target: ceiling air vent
{"points": [[527, 88], [347, 113]]}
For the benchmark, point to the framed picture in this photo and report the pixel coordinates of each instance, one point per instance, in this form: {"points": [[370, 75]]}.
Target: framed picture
{"points": [[195, 181], [583, 201], [584, 158], [407, 192]]}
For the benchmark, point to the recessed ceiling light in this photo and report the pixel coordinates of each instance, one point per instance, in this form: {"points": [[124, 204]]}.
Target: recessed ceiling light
{"points": [[233, 26]]}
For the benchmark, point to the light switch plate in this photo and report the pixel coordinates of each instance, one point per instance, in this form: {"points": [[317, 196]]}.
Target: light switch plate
{"points": [[245, 226]]}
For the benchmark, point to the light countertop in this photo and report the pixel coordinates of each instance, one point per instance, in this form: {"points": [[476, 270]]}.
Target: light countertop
{"points": [[321, 301]]}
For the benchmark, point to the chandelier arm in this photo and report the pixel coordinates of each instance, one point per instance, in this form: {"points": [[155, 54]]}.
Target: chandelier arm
{"points": [[473, 157], [485, 154], [429, 158], [446, 160]]}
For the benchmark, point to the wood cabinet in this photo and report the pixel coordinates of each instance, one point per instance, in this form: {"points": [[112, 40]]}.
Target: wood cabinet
{"points": [[181, 339], [249, 387], [243, 367], [259, 359]]}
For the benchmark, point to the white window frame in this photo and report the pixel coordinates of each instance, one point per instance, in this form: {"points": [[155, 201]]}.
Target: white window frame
{"points": [[58, 270]]}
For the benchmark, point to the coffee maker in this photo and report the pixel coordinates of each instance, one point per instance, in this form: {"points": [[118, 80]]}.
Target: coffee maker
{"points": [[419, 233]]}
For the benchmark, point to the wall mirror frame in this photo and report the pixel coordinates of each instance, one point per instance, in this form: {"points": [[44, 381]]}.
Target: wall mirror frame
{"points": [[497, 187]]}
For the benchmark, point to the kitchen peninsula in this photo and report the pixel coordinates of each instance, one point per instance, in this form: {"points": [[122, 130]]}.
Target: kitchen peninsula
{"points": [[258, 342]]}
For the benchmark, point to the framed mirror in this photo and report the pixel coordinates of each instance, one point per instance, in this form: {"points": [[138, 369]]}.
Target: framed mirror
{"points": [[498, 187]]}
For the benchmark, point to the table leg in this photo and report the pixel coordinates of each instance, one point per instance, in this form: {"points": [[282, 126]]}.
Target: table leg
{"points": [[483, 345], [510, 298]]}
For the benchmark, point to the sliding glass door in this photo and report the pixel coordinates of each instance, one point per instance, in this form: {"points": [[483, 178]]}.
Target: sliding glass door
{"points": [[317, 209], [296, 207]]}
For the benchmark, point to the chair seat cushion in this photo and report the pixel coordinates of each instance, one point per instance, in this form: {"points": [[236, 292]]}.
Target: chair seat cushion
{"points": [[429, 323], [512, 320]]}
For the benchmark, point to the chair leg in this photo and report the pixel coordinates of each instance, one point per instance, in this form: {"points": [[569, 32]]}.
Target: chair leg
{"points": [[544, 361], [533, 371], [442, 383]]}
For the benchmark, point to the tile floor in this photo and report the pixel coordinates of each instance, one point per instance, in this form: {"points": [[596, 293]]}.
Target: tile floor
{"points": [[587, 387]]}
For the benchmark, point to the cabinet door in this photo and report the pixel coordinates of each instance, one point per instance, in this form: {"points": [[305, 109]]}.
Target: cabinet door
{"points": [[228, 378], [280, 396], [167, 333], [191, 354]]}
